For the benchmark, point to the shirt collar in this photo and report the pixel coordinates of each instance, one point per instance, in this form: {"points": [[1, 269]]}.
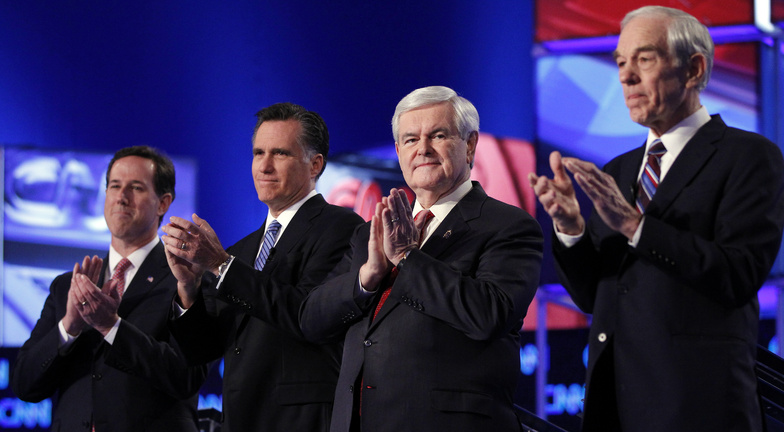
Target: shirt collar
{"points": [[285, 217], [444, 205], [136, 257], [675, 139]]}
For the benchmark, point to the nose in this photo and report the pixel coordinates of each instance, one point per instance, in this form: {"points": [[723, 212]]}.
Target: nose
{"points": [[123, 196], [265, 163], [627, 75], [425, 146]]}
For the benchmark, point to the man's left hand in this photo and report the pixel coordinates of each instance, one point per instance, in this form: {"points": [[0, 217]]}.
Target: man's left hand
{"points": [[607, 198], [195, 242], [97, 306], [400, 233]]}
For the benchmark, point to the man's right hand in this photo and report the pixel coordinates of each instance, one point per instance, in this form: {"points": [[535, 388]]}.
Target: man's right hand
{"points": [[188, 277], [558, 198], [377, 266], [73, 321]]}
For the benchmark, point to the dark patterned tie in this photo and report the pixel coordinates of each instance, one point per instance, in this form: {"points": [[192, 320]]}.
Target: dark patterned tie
{"points": [[267, 244], [119, 274], [649, 180]]}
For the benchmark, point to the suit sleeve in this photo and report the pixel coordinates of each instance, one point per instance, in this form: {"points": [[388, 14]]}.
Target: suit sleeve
{"points": [[161, 363], [330, 309], [38, 369], [276, 296], [486, 291]]}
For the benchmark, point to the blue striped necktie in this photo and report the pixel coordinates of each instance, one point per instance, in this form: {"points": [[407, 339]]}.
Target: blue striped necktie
{"points": [[267, 244], [649, 180]]}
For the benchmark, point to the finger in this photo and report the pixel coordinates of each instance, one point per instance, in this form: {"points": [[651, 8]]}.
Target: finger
{"points": [[576, 165], [401, 208], [201, 223], [406, 203], [395, 205], [556, 164], [182, 224], [94, 269], [110, 289], [532, 180]]}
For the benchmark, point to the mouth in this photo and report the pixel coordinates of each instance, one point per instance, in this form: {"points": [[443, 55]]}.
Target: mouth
{"points": [[425, 165]]}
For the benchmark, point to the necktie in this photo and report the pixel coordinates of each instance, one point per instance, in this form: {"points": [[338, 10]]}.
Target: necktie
{"points": [[119, 274], [267, 244], [649, 180], [423, 214]]}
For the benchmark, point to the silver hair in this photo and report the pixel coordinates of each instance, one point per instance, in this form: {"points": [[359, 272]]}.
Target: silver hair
{"points": [[686, 36], [466, 117]]}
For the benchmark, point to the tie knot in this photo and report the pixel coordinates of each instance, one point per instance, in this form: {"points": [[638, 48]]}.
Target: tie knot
{"points": [[425, 215], [273, 227], [121, 267], [657, 149]]}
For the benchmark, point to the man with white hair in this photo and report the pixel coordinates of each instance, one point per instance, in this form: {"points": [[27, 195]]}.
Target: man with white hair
{"points": [[683, 233], [431, 305]]}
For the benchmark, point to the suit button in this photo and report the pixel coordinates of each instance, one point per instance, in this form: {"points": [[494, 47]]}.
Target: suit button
{"points": [[368, 342], [237, 350], [97, 376], [351, 389], [602, 337]]}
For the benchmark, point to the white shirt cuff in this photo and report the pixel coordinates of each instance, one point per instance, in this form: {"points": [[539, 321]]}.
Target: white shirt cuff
{"points": [[566, 239], [113, 332], [65, 339]]}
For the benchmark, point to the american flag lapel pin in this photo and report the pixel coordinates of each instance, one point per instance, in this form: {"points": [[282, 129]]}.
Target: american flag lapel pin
{"points": [[149, 279]]}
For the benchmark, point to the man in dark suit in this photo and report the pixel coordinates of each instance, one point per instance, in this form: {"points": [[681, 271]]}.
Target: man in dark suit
{"points": [[439, 351], [274, 380], [672, 286], [107, 352]]}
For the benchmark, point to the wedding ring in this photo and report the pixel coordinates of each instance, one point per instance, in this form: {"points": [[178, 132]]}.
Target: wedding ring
{"points": [[395, 220], [182, 246], [84, 303]]}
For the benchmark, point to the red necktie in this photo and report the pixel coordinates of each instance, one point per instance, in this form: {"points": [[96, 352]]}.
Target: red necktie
{"points": [[423, 214], [119, 274]]}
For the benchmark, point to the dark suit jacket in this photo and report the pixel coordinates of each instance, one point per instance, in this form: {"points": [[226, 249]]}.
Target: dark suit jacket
{"points": [[274, 380], [139, 383], [443, 354], [680, 310]]}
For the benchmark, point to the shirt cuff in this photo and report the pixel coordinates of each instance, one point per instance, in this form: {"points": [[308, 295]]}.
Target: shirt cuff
{"points": [[223, 274], [113, 332], [566, 239], [636, 237], [360, 293], [177, 310], [65, 339]]}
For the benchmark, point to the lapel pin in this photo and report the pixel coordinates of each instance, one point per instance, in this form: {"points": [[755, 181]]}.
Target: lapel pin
{"points": [[447, 234], [149, 279]]}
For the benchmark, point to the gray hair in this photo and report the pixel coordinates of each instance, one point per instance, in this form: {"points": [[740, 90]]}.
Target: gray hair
{"points": [[685, 36], [466, 117]]}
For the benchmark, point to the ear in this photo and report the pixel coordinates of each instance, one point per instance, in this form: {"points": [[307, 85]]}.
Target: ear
{"points": [[163, 204], [397, 149], [473, 140], [316, 163], [695, 70]]}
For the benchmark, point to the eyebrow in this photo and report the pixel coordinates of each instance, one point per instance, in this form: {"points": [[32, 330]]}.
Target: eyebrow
{"points": [[644, 48], [443, 129]]}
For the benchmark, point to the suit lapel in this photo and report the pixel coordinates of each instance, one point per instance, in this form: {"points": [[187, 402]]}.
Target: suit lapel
{"points": [[152, 271], [689, 163]]}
